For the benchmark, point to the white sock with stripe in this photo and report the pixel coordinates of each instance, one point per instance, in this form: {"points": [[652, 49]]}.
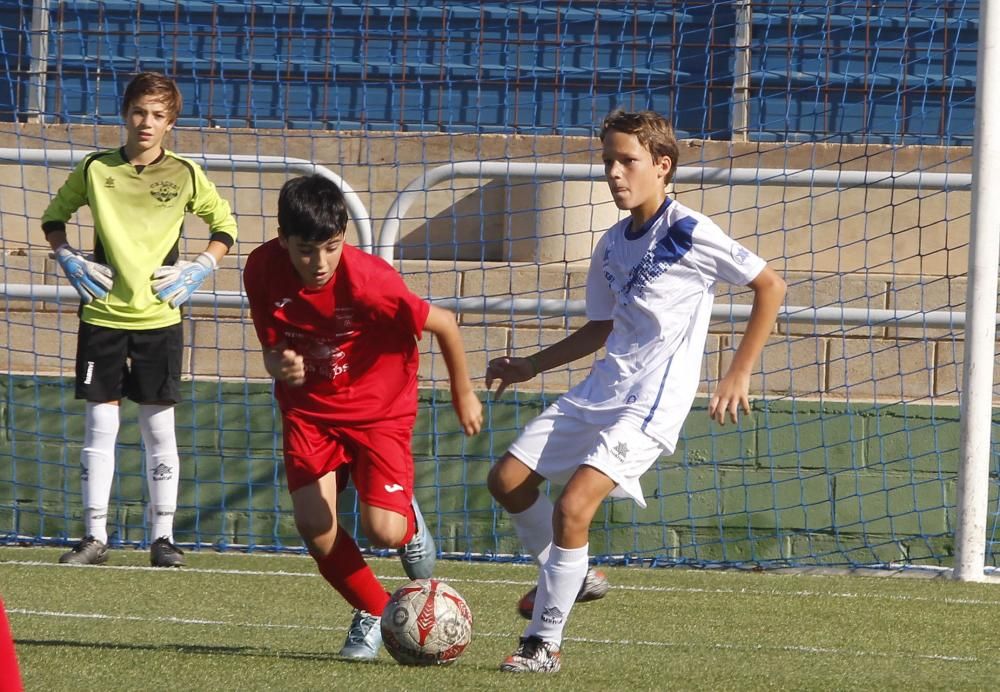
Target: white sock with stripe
{"points": [[558, 585], [97, 467], [156, 423], [533, 527]]}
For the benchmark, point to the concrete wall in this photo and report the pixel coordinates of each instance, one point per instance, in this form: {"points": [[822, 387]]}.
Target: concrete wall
{"points": [[857, 248]]}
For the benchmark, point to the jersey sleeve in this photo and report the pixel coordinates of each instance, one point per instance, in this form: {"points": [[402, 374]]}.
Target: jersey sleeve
{"points": [[719, 257], [70, 197], [255, 285], [600, 298], [213, 209], [388, 298]]}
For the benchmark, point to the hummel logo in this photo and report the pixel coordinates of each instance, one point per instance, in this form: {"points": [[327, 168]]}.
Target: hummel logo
{"points": [[282, 303], [552, 615], [162, 472], [394, 488], [620, 451]]}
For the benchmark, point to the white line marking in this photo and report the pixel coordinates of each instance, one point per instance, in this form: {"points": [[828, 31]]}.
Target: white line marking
{"points": [[807, 650], [801, 593]]}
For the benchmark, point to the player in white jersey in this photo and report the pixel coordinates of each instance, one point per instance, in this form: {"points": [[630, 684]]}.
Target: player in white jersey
{"points": [[649, 297]]}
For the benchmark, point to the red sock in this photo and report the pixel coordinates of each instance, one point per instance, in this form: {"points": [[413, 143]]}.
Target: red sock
{"points": [[411, 527], [346, 570], [10, 678]]}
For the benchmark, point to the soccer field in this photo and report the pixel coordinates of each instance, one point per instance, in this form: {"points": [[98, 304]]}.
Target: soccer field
{"points": [[257, 622]]}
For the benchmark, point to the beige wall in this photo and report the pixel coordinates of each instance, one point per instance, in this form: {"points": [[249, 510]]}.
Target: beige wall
{"points": [[859, 248]]}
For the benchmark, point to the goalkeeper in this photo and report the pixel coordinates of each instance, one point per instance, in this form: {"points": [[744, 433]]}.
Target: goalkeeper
{"points": [[339, 332], [649, 299], [130, 338]]}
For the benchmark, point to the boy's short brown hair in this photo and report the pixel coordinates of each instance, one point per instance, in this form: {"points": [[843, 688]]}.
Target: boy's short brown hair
{"points": [[153, 84], [652, 130]]}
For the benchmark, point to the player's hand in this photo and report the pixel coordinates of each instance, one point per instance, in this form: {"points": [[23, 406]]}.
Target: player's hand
{"points": [[286, 366], [90, 279], [731, 395], [509, 371], [469, 410], [176, 283]]}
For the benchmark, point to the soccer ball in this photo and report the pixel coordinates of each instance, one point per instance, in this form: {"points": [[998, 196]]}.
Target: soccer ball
{"points": [[426, 623]]}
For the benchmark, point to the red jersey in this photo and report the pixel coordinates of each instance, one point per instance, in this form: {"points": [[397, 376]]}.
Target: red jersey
{"points": [[357, 335]]}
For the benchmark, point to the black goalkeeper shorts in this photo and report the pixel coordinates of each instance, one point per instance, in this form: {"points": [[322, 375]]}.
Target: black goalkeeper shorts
{"points": [[143, 365]]}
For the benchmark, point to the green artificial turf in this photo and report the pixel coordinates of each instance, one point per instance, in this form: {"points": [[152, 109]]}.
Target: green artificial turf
{"points": [[258, 622]]}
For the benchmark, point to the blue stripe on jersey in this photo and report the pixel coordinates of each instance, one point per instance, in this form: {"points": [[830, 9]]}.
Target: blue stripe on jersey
{"points": [[675, 243], [659, 395]]}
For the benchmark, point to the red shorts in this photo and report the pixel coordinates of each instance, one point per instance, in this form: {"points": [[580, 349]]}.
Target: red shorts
{"points": [[379, 459]]}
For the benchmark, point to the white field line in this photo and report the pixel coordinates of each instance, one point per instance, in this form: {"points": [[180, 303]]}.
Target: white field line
{"points": [[801, 593], [806, 650]]}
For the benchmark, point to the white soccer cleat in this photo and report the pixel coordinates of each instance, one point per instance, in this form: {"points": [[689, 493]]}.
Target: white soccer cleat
{"points": [[419, 555], [595, 585], [364, 638], [533, 655]]}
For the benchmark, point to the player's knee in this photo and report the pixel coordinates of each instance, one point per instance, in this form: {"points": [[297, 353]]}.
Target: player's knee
{"points": [[572, 515], [495, 482], [384, 529], [316, 530], [506, 478]]}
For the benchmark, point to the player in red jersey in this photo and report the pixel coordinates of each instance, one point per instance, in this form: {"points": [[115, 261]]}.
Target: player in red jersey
{"points": [[10, 676], [339, 330]]}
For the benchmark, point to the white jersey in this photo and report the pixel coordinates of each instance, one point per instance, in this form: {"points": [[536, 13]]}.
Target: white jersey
{"points": [[657, 284]]}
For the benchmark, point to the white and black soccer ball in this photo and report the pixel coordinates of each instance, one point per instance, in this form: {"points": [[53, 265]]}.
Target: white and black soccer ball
{"points": [[426, 623]]}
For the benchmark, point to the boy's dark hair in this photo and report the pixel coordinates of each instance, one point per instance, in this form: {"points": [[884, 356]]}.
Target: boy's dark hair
{"points": [[311, 208], [153, 84], [652, 130]]}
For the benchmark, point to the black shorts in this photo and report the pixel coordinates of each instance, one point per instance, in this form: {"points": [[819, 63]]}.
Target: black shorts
{"points": [[143, 365]]}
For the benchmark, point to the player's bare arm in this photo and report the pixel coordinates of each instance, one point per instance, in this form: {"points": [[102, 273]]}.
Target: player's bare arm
{"points": [[733, 392], [443, 325], [285, 365], [584, 341]]}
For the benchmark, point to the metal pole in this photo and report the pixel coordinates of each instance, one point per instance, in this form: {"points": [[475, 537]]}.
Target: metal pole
{"points": [[981, 302], [39, 60], [741, 72]]}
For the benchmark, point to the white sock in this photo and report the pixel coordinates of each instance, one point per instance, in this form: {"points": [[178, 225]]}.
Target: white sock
{"points": [[97, 467], [533, 527], [558, 585], [156, 423]]}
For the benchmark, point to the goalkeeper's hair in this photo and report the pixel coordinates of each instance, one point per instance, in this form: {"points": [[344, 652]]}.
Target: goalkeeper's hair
{"points": [[153, 84], [311, 208], [653, 131]]}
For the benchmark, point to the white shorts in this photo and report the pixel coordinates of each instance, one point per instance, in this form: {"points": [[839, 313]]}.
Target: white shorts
{"points": [[556, 443]]}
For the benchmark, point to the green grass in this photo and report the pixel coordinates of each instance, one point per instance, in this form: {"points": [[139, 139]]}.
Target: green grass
{"points": [[257, 622]]}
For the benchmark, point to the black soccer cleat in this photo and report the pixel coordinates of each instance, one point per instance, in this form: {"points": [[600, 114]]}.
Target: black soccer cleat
{"points": [[163, 553], [89, 551]]}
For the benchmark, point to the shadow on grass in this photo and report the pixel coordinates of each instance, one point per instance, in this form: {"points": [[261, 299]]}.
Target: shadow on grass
{"points": [[249, 651], [196, 649]]}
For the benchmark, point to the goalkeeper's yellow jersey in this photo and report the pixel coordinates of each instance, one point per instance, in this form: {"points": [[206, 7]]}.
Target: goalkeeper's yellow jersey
{"points": [[138, 220]]}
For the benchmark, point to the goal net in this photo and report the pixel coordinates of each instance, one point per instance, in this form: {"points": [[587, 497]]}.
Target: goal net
{"points": [[833, 139]]}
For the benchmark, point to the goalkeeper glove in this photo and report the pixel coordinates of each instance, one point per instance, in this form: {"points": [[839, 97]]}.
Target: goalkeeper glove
{"points": [[176, 283], [90, 279]]}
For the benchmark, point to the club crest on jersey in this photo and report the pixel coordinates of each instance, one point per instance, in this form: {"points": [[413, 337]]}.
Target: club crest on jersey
{"points": [[164, 191], [739, 253]]}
